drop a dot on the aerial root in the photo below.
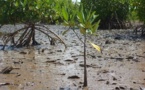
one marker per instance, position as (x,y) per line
(27,37)
(140,30)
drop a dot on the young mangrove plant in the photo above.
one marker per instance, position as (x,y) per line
(85,21)
(87,26)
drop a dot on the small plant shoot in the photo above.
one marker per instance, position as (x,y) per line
(85,20)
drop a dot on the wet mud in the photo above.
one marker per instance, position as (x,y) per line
(120,66)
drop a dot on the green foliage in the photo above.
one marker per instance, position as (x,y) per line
(69,16)
(50,11)
(140,8)
(68,12)
(86,21)
(24,11)
(109,11)
(132,16)
(18,11)
(80,17)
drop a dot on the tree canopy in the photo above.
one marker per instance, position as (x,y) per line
(18,11)
(112,13)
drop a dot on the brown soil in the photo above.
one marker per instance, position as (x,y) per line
(121,66)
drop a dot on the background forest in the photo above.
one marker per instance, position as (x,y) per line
(112,13)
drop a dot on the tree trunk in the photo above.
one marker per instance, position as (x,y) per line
(34,42)
(85,67)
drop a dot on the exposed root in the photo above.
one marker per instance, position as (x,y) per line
(140,30)
(27,36)
(55,36)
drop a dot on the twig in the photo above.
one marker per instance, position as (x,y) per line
(24,34)
(77,35)
(53,34)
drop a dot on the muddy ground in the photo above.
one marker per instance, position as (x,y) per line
(121,66)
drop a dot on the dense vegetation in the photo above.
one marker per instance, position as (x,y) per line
(23,11)
(140,7)
(112,13)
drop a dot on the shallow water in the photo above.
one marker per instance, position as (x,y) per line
(45,67)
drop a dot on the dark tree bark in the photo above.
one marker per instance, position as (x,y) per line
(85,66)
(27,37)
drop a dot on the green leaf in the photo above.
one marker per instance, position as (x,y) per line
(88,25)
(95,27)
(65,13)
(81,16)
(89,15)
(94,18)
(16,4)
(24,4)
(81,25)
(65,23)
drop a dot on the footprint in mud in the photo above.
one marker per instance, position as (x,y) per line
(67,88)
(70,61)
(73,77)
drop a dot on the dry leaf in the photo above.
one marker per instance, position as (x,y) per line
(95,46)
